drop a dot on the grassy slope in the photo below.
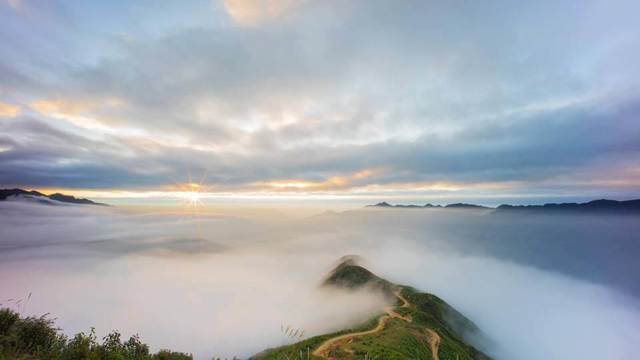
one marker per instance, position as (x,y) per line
(399,339)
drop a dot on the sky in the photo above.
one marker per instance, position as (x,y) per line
(304,99)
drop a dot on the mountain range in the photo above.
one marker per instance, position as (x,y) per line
(594,206)
(6,194)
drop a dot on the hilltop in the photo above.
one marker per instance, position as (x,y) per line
(417,326)
(53,199)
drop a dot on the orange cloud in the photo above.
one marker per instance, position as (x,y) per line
(61,107)
(332,183)
(72,107)
(437,186)
(350,184)
(78,112)
(8,110)
(252,12)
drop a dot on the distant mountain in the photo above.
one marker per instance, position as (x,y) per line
(599,206)
(466,206)
(45,199)
(411,206)
(385,204)
(595,206)
(417,326)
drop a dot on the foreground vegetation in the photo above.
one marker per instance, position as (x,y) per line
(37,338)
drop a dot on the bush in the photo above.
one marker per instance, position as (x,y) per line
(81,347)
(36,338)
(28,338)
(8,317)
(171,355)
(35,335)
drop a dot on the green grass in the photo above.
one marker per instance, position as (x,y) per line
(303,349)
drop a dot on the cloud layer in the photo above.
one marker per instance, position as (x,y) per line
(222,285)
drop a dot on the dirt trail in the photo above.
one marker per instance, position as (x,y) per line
(324,348)
(390,309)
(434,343)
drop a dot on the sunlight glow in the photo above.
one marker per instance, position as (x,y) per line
(190,192)
(192,197)
(8,110)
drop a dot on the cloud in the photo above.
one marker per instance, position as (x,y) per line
(542,315)
(336,87)
(252,12)
(80,113)
(15,3)
(561,147)
(60,107)
(8,110)
(513,276)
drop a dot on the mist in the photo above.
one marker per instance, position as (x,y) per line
(225,283)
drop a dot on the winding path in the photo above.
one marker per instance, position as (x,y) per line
(324,348)
(434,343)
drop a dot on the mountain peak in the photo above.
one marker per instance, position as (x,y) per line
(349,274)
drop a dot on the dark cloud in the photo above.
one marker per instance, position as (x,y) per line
(529,149)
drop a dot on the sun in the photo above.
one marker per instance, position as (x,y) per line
(191,193)
(192,197)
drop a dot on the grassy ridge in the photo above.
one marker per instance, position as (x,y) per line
(399,340)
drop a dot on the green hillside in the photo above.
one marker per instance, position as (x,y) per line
(418,326)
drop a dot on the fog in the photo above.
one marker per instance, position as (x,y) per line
(225,283)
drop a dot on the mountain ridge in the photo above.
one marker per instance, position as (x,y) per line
(418,325)
(600,206)
(43,198)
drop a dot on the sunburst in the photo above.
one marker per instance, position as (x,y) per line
(191,192)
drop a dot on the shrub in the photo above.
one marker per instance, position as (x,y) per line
(36,338)
(171,355)
(8,317)
(81,347)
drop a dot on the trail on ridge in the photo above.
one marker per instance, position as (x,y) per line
(324,349)
(434,343)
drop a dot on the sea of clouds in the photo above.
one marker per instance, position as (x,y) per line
(552,287)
